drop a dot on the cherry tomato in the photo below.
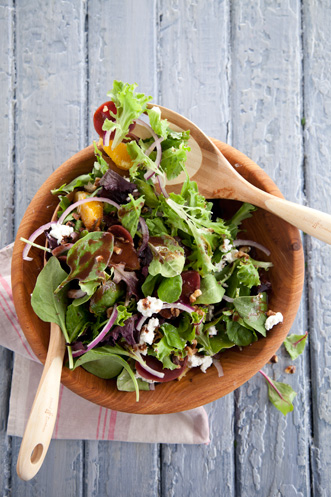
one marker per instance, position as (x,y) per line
(101,114)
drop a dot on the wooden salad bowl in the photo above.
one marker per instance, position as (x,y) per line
(195,388)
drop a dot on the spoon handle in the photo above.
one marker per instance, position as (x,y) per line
(310,221)
(41,422)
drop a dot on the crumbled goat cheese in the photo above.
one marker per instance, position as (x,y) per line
(149,306)
(230,256)
(273,320)
(60,230)
(212,331)
(203,361)
(147,333)
(227,244)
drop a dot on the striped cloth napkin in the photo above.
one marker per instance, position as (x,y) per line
(91,422)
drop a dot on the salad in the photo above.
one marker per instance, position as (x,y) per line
(146,285)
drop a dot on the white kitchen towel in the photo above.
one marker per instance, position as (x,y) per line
(78,418)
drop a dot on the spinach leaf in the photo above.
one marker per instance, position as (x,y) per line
(239,334)
(172,336)
(149,284)
(105,296)
(48,306)
(89,257)
(168,257)
(295,344)
(252,310)
(211,291)
(77,320)
(125,383)
(170,289)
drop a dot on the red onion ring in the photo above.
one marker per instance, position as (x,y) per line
(251,243)
(218,366)
(107,137)
(150,370)
(101,335)
(33,237)
(84,201)
(228,299)
(141,322)
(157,144)
(178,305)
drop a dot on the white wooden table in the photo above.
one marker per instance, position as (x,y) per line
(253,74)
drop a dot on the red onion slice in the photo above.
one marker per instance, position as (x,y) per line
(157,144)
(33,237)
(101,335)
(178,305)
(141,322)
(107,137)
(145,234)
(251,243)
(152,386)
(218,366)
(84,201)
(150,370)
(228,299)
(162,186)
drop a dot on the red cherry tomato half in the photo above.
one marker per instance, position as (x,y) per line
(101,114)
(169,374)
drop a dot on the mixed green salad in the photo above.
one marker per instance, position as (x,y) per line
(144,284)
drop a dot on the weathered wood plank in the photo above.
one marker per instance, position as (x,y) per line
(317,113)
(271,451)
(50,69)
(193,75)
(6,215)
(121,45)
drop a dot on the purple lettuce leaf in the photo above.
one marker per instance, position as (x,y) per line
(115,187)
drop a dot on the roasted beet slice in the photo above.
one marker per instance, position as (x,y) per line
(126,254)
(101,114)
(120,232)
(169,374)
(191,282)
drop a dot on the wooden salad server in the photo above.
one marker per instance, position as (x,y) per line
(41,422)
(216,178)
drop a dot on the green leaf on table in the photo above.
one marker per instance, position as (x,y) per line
(252,310)
(48,306)
(89,257)
(168,256)
(280,394)
(295,344)
(170,289)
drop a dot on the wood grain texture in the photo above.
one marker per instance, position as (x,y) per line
(317,111)
(266,111)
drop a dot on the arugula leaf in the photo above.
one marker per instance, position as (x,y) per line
(129,105)
(129,214)
(170,289)
(168,257)
(89,257)
(280,394)
(252,310)
(295,344)
(212,291)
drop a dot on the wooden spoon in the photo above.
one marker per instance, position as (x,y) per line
(41,422)
(216,178)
